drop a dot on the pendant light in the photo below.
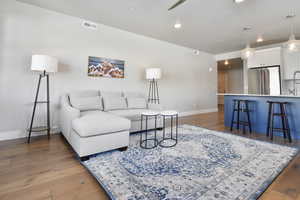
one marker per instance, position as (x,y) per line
(248,51)
(293,45)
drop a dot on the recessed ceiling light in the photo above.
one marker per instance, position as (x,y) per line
(196,52)
(177,25)
(260,39)
(226,62)
(238,1)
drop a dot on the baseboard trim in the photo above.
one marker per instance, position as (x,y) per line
(17,134)
(197,112)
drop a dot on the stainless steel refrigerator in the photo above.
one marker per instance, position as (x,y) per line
(264,80)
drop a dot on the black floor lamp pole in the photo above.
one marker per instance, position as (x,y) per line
(46,128)
(153,96)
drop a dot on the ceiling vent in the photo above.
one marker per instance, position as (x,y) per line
(90,25)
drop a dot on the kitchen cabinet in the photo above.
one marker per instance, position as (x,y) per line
(265,58)
(291,63)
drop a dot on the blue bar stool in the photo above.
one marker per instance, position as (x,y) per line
(284,120)
(240,107)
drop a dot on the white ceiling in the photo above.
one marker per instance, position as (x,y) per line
(213,26)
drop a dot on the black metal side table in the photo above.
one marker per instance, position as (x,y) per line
(144,141)
(169,137)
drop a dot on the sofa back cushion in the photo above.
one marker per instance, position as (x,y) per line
(133,95)
(111,94)
(114,103)
(86,100)
(136,103)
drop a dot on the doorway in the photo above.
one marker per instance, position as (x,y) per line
(230,78)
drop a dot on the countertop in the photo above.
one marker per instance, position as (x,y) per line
(257,95)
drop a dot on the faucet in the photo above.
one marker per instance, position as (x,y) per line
(294,91)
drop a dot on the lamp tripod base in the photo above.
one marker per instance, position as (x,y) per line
(153,96)
(47,102)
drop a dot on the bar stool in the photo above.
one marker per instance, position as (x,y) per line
(284,120)
(241,106)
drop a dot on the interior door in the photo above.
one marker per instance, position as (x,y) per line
(222,85)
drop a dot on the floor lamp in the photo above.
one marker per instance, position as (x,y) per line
(153,74)
(45,65)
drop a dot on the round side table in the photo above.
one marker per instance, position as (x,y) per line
(144,141)
(172,138)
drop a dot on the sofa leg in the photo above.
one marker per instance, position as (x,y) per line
(123,149)
(84,158)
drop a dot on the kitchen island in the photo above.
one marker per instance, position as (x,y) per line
(259,111)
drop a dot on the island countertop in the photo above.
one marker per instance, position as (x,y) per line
(257,95)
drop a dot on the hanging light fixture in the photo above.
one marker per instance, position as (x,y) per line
(293,45)
(248,51)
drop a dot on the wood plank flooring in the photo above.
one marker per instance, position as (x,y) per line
(48,170)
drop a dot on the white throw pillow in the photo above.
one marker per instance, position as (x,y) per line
(137,103)
(86,103)
(114,103)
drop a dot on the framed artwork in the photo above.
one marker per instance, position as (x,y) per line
(106,67)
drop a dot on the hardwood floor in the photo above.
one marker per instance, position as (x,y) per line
(48,170)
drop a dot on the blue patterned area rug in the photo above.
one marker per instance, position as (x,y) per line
(205,164)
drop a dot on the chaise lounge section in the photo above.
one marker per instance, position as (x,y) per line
(93,121)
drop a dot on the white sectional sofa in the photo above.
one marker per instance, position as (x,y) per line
(95,121)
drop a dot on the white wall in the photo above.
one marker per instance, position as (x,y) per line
(235,80)
(187,84)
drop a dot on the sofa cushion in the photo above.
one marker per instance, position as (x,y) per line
(87,103)
(90,112)
(133,95)
(86,100)
(114,103)
(136,103)
(99,124)
(111,94)
(131,114)
(85,93)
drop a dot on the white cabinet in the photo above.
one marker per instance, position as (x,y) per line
(265,58)
(291,63)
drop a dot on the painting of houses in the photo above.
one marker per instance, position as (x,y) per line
(105,67)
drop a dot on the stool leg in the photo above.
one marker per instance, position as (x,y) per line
(232,117)
(272,121)
(248,117)
(238,116)
(287,125)
(283,121)
(269,119)
(242,110)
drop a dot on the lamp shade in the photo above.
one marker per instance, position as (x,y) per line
(153,73)
(44,63)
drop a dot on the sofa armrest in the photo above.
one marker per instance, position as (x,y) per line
(156,107)
(67,115)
